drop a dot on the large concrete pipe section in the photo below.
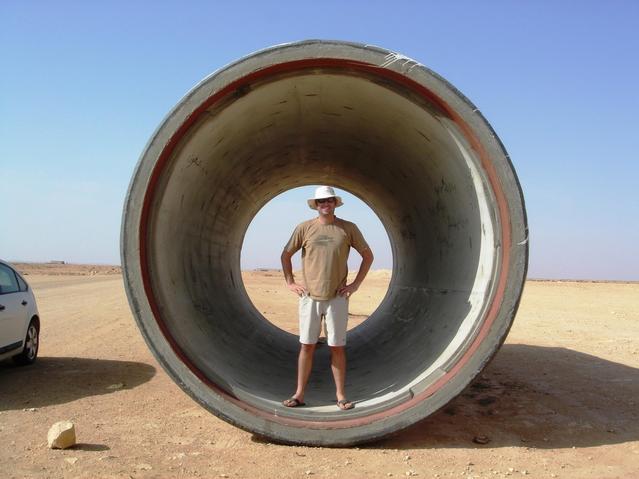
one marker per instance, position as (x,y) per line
(371,122)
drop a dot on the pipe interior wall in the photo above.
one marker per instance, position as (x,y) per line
(408,159)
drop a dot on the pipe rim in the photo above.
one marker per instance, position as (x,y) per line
(310,54)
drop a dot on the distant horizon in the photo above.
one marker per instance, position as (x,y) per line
(528,278)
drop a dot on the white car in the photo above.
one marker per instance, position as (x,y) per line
(19,318)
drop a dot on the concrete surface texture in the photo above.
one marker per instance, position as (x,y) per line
(380,126)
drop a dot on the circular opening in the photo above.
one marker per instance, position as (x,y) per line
(373,139)
(264,241)
(370,122)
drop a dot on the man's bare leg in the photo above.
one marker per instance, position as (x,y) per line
(338,366)
(304,366)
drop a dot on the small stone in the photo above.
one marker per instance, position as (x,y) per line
(71,460)
(510,469)
(61,435)
(524,472)
(389,474)
(115,386)
(347,462)
(309,473)
(406,458)
(30,409)
(224,475)
(144,467)
(481,439)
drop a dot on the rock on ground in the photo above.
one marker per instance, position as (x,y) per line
(61,435)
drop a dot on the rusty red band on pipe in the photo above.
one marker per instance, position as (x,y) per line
(301,66)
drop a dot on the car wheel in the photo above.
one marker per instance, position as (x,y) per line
(31,343)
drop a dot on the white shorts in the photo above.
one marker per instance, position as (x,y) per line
(335,312)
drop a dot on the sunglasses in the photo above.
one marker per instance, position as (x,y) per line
(325,200)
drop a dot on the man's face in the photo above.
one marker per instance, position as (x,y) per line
(325,206)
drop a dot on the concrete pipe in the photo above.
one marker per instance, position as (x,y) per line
(371,122)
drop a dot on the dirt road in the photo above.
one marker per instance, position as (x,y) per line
(561,399)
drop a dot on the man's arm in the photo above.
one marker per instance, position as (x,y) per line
(287,267)
(367,260)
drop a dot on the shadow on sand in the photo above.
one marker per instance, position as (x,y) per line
(538,397)
(53,381)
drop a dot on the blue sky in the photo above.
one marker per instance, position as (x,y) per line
(84,85)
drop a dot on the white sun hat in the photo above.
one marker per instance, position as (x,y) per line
(322,192)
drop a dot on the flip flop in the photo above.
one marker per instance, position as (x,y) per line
(345,404)
(293,402)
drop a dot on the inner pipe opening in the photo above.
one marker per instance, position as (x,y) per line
(360,133)
(271,229)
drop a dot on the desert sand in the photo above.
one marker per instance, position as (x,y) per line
(560,399)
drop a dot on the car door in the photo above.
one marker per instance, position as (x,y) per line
(13,314)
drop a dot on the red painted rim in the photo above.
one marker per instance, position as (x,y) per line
(301,66)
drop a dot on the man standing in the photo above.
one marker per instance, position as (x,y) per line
(325,242)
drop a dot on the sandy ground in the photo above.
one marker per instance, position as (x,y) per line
(560,399)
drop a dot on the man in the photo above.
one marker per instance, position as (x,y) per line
(325,242)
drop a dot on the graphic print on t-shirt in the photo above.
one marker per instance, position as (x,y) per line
(323,240)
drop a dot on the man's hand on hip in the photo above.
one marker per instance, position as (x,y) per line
(347,290)
(297,289)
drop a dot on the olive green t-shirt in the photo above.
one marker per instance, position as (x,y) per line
(325,251)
